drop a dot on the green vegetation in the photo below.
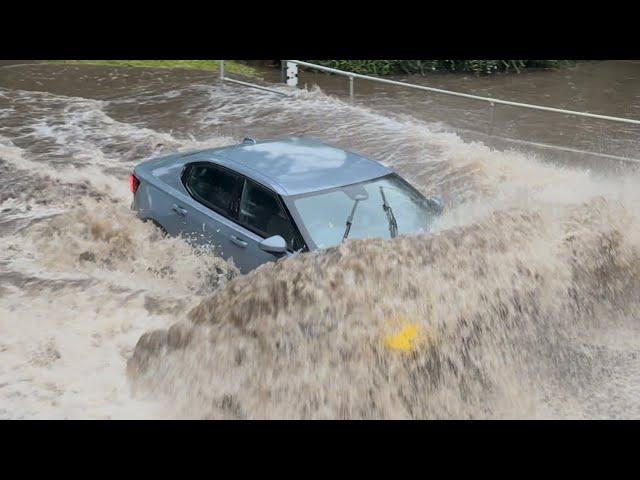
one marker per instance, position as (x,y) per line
(230,66)
(390,67)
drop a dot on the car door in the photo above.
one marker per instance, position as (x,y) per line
(209,216)
(261,214)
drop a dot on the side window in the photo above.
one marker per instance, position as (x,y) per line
(214,187)
(262,213)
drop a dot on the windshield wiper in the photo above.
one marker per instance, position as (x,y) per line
(350,217)
(393,226)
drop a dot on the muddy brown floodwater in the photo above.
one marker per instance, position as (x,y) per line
(526,297)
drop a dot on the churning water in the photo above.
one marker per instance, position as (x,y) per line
(526,298)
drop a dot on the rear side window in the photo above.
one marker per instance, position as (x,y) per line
(215,187)
(262,212)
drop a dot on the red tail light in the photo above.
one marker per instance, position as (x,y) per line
(133,183)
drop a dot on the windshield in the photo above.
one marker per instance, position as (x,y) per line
(325,214)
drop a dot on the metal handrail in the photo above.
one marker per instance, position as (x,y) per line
(253,85)
(492,101)
(224,78)
(567,149)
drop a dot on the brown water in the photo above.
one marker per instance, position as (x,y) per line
(526,297)
(607,88)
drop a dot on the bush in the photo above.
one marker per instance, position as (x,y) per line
(389,67)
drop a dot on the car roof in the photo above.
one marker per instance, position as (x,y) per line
(295,165)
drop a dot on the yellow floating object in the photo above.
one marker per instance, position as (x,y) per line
(406,340)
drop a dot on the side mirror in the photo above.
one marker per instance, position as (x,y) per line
(435,204)
(275,245)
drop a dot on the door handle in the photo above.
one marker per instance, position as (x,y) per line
(238,241)
(179,210)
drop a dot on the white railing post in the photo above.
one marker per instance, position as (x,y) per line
(292,74)
(221,70)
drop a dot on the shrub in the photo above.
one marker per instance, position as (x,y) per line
(389,67)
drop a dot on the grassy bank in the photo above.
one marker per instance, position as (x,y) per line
(390,67)
(230,66)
